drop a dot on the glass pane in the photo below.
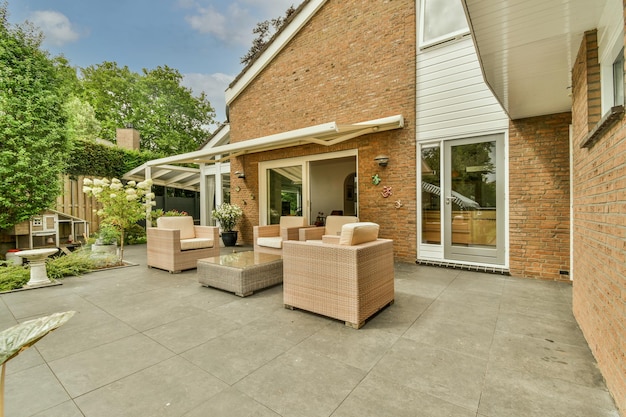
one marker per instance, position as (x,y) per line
(473,194)
(225,188)
(284,193)
(431,196)
(442,18)
(618,80)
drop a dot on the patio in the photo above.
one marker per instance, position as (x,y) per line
(455,343)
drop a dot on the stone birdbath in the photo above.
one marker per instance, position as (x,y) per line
(37,260)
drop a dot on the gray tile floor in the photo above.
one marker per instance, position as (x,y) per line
(455,343)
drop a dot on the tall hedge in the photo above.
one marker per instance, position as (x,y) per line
(93,159)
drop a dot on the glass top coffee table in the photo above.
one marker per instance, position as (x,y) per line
(242,272)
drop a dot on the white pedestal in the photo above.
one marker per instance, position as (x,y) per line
(37,260)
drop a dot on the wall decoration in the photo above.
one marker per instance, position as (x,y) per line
(398,204)
(376,179)
(386,192)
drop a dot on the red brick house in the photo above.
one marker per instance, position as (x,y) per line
(505,145)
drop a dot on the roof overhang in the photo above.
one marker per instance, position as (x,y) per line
(173,176)
(527,49)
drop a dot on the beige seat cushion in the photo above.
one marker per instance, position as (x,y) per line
(356,233)
(183,223)
(196,243)
(334,224)
(270,242)
(292,221)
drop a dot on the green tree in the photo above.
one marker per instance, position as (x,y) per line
(122,205)
(264,32)
(82,122)
(32,124)
(171,120)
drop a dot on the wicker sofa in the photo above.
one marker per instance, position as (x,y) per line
(332,227)
(176,243)
(348,277)
(270,238)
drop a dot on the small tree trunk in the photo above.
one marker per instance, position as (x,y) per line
(121,248)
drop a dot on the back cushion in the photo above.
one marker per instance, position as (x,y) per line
(184,224)
(292,221)
(334,224)
(355,233)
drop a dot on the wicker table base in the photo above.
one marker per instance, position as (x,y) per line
(242,272)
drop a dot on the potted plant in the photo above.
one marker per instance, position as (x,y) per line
(228,215)
(106,240)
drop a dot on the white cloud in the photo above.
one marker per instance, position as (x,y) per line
(57,28)
(235,24)
(214,86)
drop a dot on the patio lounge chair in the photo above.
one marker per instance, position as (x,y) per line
(176,243)
(332,227)
(270,238)
(348,277)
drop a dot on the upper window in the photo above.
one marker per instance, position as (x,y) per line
(441,20)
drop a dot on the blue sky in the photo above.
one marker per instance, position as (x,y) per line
(203,39)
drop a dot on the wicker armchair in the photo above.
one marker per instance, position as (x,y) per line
(270,238)
(176,244)
(349,280)
(333,227)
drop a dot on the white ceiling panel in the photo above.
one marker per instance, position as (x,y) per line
(527,49)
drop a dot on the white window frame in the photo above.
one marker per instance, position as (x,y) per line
(306,191)
(610,45)
(441,39)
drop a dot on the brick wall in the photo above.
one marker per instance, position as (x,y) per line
(539,187)
(354,61)
(599,293)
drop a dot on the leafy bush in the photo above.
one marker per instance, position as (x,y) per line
(13,276)
(135,235)
(75,264)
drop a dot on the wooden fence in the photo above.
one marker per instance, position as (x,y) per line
(74,202)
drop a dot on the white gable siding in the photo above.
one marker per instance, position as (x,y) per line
(452,97)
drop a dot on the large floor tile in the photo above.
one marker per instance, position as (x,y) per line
(375,397)
(235,355)
(32,391)
(301,383)
(399,316)
(169,388)
(361,348)
(546,358)
(84,331)
(66,409)
(521,394)
(453,334)
(91,369)
(190,332)
(485,315)
(451,376)
(563,331)
(232,403)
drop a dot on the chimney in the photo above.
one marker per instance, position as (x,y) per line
(127,138)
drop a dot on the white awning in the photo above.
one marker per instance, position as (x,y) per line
(326,134)
(164,173)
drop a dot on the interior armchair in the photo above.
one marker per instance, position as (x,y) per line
(348,277)
(176,243)
(270,238)
(333,227)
